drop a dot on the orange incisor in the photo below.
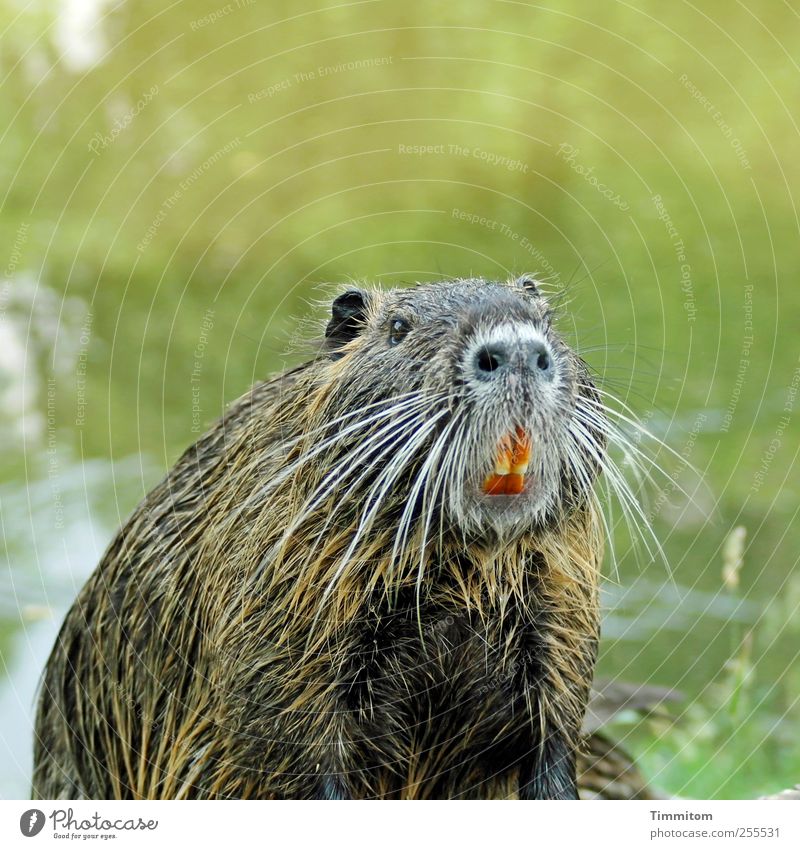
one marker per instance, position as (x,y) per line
(510,465)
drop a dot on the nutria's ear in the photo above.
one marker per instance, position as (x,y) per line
(348,316)
(528,284)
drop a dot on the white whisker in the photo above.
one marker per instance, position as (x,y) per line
(375,499)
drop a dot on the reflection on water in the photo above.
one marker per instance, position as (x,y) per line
(78,32)
(40,340)
(648,607)
(46,563)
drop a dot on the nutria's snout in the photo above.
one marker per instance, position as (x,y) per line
(509,368)
(509,349)
(520,390)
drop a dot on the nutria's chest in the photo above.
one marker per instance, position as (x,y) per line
(441,700)
(437,661)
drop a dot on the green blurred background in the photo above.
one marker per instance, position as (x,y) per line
(179,182)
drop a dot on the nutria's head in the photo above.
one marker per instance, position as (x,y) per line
(463,406)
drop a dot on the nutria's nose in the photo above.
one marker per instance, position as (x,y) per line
(493,358)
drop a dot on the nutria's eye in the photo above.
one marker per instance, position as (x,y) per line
(398,330)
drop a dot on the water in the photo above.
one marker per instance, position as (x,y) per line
(48,552)
(175,193)
(59,507)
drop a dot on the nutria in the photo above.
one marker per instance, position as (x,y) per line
(375,576)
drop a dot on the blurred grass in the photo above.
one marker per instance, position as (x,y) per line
(738,739)
(309,184)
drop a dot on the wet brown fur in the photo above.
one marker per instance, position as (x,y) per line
(210,655)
